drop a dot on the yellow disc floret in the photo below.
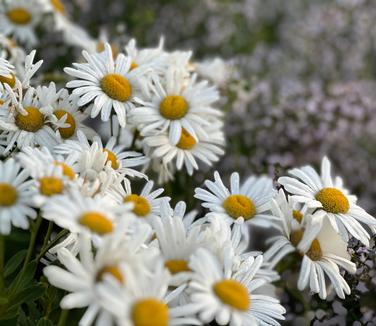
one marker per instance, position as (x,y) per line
(239,205)
(173,107)
(19,16)
(58,6)
(96,222)
(314,252)
(50,186)
(66,132)
(111,157)
(116,87)
(67,170)
(233,293)
(134,65)
(11,81)
(8,195)
(32,121)
(141,204)
(114,270)
(177,265)
(297,215)
(186,140)
(333,200)
(150,312)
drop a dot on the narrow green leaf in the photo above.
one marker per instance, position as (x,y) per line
(45,322)
(30,293)
(14,262)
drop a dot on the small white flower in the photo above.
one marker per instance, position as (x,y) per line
(229,297)
(249,201)
(330,200)
(16,194)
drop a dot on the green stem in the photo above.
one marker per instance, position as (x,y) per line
(49,231)
(47,247)
(2,254)
(63,317)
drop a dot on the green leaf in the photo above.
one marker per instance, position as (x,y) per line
(30,293)
(27,276)
(14,262)
(9,314)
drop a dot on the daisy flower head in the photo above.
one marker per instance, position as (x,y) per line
(7,73)
(94,158)
(175,104)
(16,193)
(109,84)
(97,216)
(146,205)
(18,18)
(27,122)
(144,299)
(321,249)
(82,276)
(188,150)
(52,177)
(249,201)
(229,297)
(329,199)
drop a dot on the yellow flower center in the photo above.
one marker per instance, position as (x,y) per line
(233,293)
(8,195)
(177,265)
(116,87)
(141,204)
(67,170)
(19,16)
(186,141)
(314,252)
(111,157)
(96,222)
(32,122)
(113,270)
(297,216)
(11,81)
(239,205)
(333,200)
(66,132)
(59,7)
(50,186)
(173,107)
(134,65)
(150,312)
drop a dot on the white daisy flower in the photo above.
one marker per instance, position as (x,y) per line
(144,299)
(6,72)
(18,18)
(216,70)
(175,105)
(249,201)
(177,242)
(229,298)
(207,148)
(146,205)
(26,71)
(16,194)
(110,85)
(98,215)
(322,251)
(27,122)
(94,158)
(330,199)
(81,277)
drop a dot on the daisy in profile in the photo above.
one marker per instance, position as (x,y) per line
(330,200)
(249,201)
(94,158)
(227,297)
(82,276)
(188,150)
(146,205)
(110,85)
(27,122)
(16,193)
(144,299)
(321,249)
(98,215)
(177,103)
(18,18)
